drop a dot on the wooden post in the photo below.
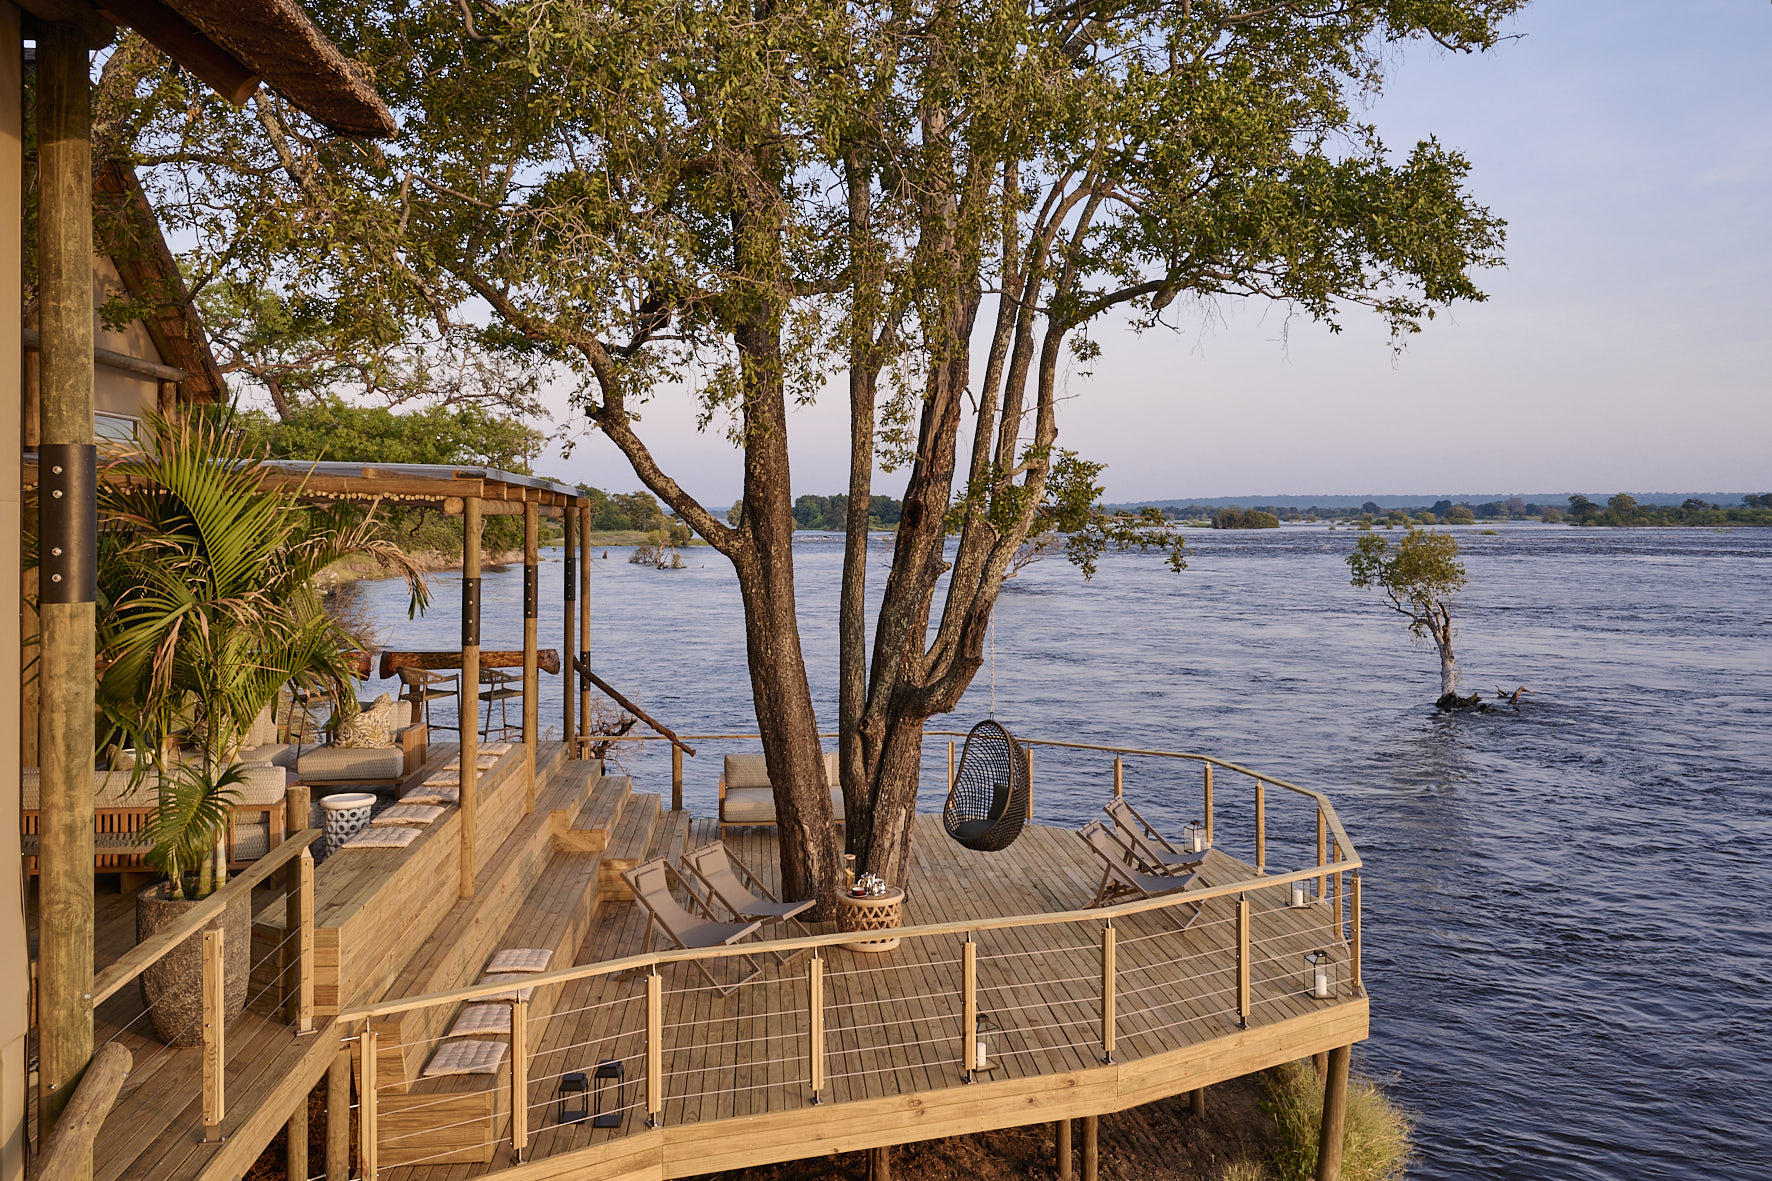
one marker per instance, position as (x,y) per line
(1030,758)
(67,523)
(215,1050)
(950,764)
(815,1009)
(969,1005)
(295,819)
(1207,806)
(1243,961)
(64,1151)
(531,671)
(338,1117)
(676,778)
(470,687)
(1339,930)
(584,626)
(366,1113)
(1119,778)
(1322,851)
(880,1164)
(1260,826)
(1108,998)
(1063,1135)
(1197,1102)
(301,1013)
(296,1136)
(1091,1166)
(654,1049)
(1329,1135)
(569,642)
(1354,944)
(519,1077)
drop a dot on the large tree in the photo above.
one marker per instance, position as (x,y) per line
(942,207)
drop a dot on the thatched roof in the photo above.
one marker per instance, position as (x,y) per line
(129,234)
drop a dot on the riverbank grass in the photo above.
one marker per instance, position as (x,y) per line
(1377,1144)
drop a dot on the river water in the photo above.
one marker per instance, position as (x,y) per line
(1567,939)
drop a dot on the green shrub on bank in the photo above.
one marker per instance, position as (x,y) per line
(1376,1143)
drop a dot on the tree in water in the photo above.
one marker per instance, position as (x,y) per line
(1418,576)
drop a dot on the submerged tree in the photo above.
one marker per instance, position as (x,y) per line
(1418,576)
(938,205)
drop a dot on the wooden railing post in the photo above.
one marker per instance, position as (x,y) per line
(366,1108)
(1119,778)
(950,764)
(1243,961)
(1354,946)
(1260,826)
(293,954)
(676,778)
(1340,929)
(815,1042)
(1030,758)
(569,639)
(1322,851)
(519,1077)
(215,1104)
(969,1005)
(654,1049)
(1207,804)
(301,1000)
(1108,997)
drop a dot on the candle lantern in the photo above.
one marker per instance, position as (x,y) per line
(609,1106)
(1320,975)
(574,1098)
(1301,893)
(1193,838)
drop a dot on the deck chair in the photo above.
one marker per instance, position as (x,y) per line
(748,899)
(1151,848)
(1119,879)
(651,883)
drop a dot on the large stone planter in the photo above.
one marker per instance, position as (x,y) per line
(173,987)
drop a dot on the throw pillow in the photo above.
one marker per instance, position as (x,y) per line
(371,729)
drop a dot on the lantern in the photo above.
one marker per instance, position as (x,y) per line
(1193,838)
(1320,973)
(1301,894)
(609,1090)
(574,1097)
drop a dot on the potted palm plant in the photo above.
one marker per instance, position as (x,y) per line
(207,609)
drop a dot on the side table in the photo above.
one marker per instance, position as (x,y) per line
(883,912)
(347,814)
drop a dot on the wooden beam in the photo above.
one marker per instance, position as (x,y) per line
(122,362)
(620,699)
(396,660)
(70,1146)
(469,710)
(1330,1132)
(66,612)
(338,1117)
(531,675)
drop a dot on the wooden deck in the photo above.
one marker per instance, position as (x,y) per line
(735,1069)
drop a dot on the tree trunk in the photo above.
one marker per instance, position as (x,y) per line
(1448,665)
(881,835)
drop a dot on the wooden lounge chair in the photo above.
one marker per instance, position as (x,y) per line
(1151,848)
(1118,878)
(651,883)
(749,899)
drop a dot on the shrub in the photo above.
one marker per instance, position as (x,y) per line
(1375,1141)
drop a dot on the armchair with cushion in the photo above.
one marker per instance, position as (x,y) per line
(748,798)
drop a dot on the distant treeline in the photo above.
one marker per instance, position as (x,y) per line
(624,512)
(1244,518)
(831,513)
(1621,509)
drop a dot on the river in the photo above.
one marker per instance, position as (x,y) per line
(1567,939)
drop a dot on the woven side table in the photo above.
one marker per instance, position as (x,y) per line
(882,913)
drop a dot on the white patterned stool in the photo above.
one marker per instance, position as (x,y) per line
(347,814)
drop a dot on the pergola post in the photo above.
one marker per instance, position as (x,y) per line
(584,625)
(68,567)
(569,644)
(531,675)
(469,718)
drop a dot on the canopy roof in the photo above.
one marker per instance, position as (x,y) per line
(419,483)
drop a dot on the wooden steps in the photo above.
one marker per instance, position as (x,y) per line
(600,811)
(628,844)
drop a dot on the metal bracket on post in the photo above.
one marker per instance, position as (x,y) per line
(531,592)
(68,508)
(470,612)
(571,570)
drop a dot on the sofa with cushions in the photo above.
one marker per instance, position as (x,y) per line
(747,798)
(369,749)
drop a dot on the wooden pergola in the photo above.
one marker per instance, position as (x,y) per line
(474,493)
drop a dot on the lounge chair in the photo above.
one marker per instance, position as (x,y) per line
(1149,845)
(749,899)
(651,883)
(1118,878)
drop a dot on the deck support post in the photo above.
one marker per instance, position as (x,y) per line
(815,1010)
(338,1117)
(366,1114)
(1243,961)
(969,1005)
(880,1163)
(1260,826)
(1206,803)
(295,1134)
(215,1050)
(469,779)
(569,641)
(1108,938)
(67,517)
(584,629)
(1197,1102)
(1063,1149)
(1091,1165)
(1334,1115)
(519,1078)
(531,671)
(676,778)
(654,1049)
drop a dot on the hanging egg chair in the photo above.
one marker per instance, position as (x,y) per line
(988,802)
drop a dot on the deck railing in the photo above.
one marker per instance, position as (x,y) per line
(1058,990)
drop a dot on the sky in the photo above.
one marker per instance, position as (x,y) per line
(1627,344)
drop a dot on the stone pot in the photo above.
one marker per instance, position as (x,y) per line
(172,988)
